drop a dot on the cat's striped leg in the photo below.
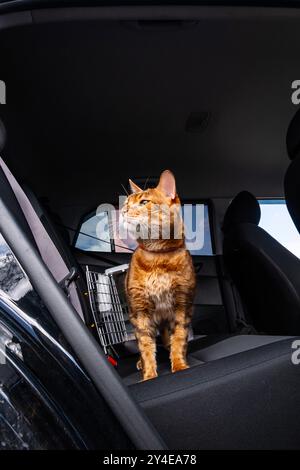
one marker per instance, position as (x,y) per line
(146,338)
(178,343)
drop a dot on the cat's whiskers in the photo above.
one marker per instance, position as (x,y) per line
(127,194)
(146,183)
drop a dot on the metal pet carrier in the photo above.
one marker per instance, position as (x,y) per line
(109,307)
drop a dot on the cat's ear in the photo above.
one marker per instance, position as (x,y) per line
(167,184)
(134,187)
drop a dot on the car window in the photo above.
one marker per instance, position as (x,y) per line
(89,238)
(98,232)
(276,220)
(13,280)
(16,288)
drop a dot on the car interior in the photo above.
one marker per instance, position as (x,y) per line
(96,96)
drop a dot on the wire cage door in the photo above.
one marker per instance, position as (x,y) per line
(109,307)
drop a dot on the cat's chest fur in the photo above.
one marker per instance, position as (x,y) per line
(153,282)
(159,290)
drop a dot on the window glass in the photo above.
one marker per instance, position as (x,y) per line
(200,226)
(276,220)
(15,287)
(13,280)
(89,238)
(98,232)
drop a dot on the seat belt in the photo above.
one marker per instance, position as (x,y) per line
(48,251)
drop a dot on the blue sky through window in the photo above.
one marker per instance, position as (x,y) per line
(276,220)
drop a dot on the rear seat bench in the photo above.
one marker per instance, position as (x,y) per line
(245,395)
(200,350)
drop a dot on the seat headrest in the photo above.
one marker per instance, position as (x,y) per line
(2,136)
(244,208)
(293,137)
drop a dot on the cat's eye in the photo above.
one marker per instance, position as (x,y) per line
(143,202)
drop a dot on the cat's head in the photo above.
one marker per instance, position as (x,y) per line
(153,215)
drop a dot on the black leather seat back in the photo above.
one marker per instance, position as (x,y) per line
(266,274)
(292,177)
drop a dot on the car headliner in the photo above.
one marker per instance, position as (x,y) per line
(93,102)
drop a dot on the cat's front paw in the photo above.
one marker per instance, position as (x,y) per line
(177,366)
(149,376)
(139,364)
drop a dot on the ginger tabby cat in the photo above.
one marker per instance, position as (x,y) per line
(160,282)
